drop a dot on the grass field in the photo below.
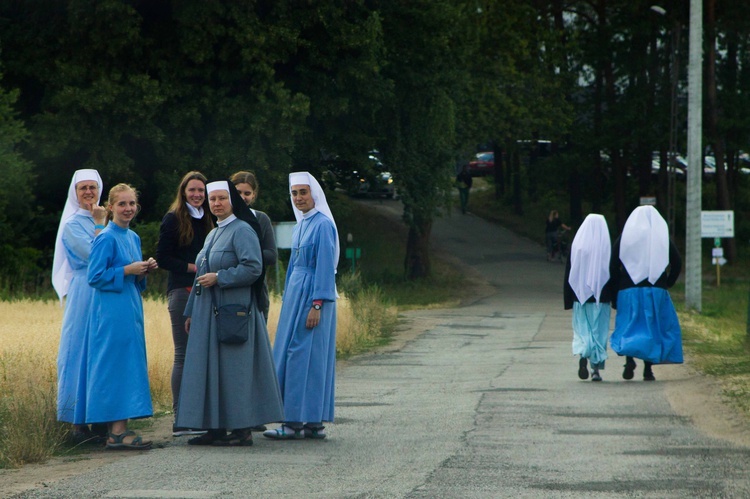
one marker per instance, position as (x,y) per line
(30,332)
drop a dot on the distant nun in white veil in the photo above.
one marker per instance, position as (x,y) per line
(588,292)
(645,263)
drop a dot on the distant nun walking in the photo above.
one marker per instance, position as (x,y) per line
(588,291)
(645,263)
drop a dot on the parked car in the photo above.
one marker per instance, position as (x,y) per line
(369,177)
(483,164)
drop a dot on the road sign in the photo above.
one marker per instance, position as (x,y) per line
(283,233)
(717,223)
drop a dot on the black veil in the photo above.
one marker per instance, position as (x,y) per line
(244,213)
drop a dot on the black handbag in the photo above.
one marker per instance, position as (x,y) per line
(232,321)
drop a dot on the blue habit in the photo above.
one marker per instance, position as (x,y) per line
(646,326)
(306,358)
(78,235)
(117,373)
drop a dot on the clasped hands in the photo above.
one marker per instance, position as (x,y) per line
(141,268)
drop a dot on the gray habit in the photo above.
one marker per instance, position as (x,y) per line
(228,386)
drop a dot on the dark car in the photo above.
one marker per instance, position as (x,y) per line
(484,164)
(367,177)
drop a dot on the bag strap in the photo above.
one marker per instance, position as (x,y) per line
(208,269)
(214,301)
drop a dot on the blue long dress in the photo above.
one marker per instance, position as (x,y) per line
(117,373)
(78,235)
(306,358)
(228,386)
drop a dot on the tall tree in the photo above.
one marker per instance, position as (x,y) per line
(426,47)
(16,199)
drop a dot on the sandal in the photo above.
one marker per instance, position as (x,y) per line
(284,433)
(316,432)
(238,438)
(119,442)
(207,438)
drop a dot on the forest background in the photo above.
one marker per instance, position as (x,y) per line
(146,90)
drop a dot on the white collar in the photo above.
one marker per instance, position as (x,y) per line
(195,212)
(309,214)
(231,218)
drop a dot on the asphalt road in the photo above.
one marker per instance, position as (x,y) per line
(477,401)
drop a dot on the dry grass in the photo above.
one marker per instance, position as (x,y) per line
(30,332)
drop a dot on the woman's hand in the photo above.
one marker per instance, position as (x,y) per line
(99,213)
(313,318)
(152,265)
(136,268)
(187,325)
(208,280)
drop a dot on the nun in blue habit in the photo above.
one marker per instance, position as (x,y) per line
(588,291)
(228,386)
(645,263)
(304,349)
(82,219)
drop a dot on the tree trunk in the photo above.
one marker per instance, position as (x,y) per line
(533,169)
(499,171)
(417,262)
(517,193)
(712,112)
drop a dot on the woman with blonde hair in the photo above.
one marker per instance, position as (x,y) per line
(117,387)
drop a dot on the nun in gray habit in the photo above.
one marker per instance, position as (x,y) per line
(227,386)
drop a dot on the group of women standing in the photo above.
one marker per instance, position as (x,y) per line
(631,275)
(221,391)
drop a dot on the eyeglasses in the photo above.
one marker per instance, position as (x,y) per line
(88,188)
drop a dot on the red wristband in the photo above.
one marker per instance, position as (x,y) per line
(318,302)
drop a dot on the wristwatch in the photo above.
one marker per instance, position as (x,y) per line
(316,306)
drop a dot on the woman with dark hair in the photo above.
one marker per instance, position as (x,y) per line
(181,235)
(247,186)
(228,386)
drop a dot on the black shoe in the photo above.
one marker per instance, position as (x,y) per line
(208,438)
(583,372)
(629,370)
(595,376)
(260,427)
(85,437)
(100,429)
(238,438)
(648,375)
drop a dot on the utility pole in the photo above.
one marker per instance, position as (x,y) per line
(695,159)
